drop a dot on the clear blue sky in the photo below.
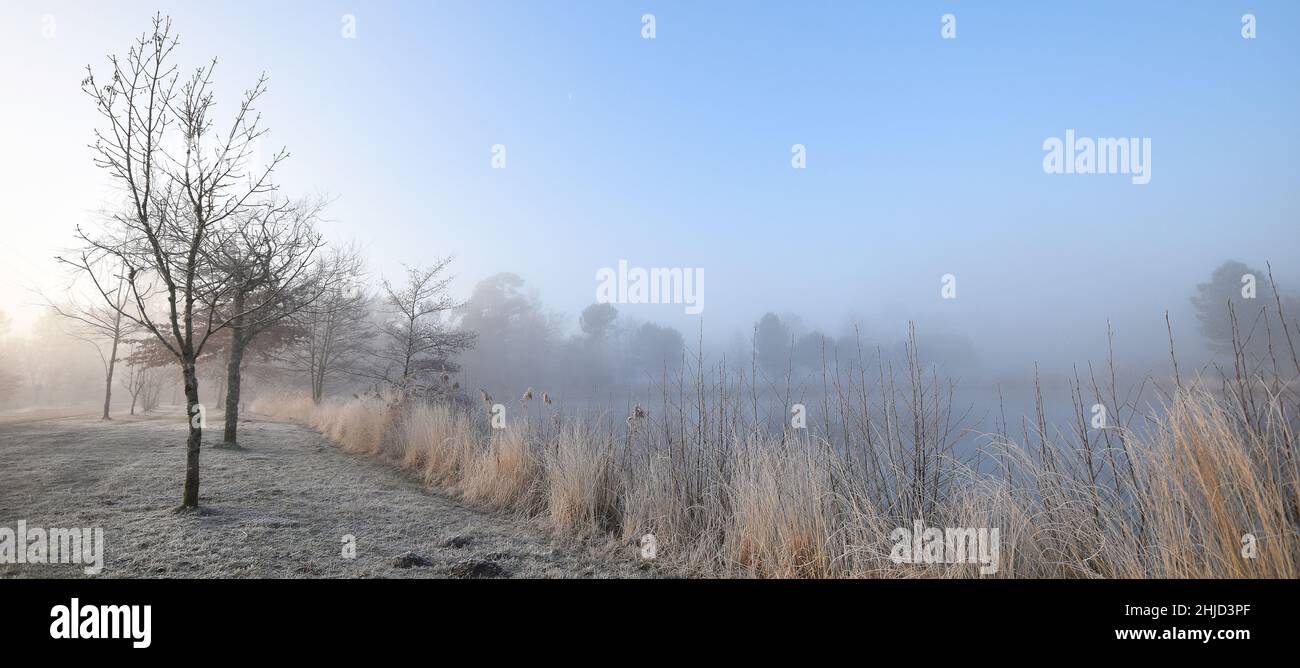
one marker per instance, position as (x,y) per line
(924,154)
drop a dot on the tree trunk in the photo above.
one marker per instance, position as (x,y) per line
(112,362)
(108,391)
(237,344)
(317,384)
(194,410)
(236,358)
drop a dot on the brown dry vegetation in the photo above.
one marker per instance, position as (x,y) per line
(724,497)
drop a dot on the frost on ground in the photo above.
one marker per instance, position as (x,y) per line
(279,508)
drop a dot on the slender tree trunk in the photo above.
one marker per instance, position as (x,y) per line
(112,362)
(108,391)
(194,410)
(232,386)
(238,340)
(317,382)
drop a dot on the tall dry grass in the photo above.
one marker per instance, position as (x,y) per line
(725,496)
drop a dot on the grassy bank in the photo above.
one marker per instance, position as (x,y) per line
(723,498)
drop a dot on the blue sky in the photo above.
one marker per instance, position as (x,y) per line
(924,154)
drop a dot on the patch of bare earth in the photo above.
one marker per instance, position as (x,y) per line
(278,508)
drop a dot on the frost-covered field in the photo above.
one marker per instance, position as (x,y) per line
(279,508)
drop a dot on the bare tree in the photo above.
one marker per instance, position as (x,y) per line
(335,330)
(136,382)
(179,201)
(145,367)
(268,265)
(102,326)
(413,342)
